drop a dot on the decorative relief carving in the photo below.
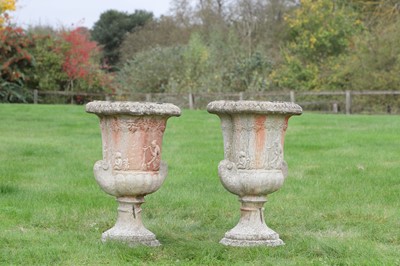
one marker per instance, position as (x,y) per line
(275,125)
(145,125)
(227,150)
(239,127)
(104,165)
(105,149)
(119,163)
(243,161)
(259,126)
(132,126)
(155,157)
(115,125)
(274,156)
(161,127)
(269,124)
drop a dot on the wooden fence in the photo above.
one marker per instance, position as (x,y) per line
(327,101)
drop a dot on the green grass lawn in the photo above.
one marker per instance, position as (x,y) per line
(339,205)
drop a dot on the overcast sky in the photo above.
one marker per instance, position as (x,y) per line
(70,13)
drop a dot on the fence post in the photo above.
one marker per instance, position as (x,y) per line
(35,96)
(348,102)
(148,97)
(335,108)
(191,101)
(108,98)
(292,97)
(241,96)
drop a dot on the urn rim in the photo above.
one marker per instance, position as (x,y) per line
(254,107)
(132,108)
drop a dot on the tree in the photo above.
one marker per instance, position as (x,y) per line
(374,62)
(81,62)
(246,21)
(376,11)
(14,61)
(182,11)
(65,60)
(5,6)
(211,15)
(49,52)
(319,33)
(272,31)
(167,69)
(195,59)
(111,29)
(162,32)
(14,57)
(156,70)
(77,57)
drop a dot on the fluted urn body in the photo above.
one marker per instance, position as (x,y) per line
(253,164)
(131,168)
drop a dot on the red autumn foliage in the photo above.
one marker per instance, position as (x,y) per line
(78,57)
(65,60)
(14,57)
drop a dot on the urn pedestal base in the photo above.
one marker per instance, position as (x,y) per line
(251,229)
(129,227)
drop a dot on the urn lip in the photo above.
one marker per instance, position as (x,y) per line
(254,107)
(132,108)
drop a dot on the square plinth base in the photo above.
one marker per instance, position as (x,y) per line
(130,239)
(251,243)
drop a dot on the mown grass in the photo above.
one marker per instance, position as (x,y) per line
(340,204)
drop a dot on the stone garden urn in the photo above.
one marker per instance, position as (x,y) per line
(253,165)
(131,168)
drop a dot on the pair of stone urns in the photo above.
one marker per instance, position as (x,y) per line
(253,165)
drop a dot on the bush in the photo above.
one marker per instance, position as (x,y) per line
(156,70)
(14,92)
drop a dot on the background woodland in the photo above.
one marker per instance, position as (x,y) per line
(208,46)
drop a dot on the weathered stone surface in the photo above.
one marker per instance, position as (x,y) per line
(254,107)
(253,167)
(251,229)
(129,227)
(132,108)
(132,134)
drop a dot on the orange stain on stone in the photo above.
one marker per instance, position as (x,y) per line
(134,152)
(260,139)
(285,126)
(115,126)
